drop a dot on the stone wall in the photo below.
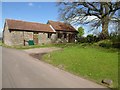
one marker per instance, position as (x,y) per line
(43,38)
(17,38)
(63,39)
(7,36)
(21,37)
(28,36)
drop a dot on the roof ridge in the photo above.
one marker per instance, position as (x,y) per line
(28,26)
(25,21)
(56,21)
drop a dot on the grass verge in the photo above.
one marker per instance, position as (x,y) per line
(0,43)
(90,62)
(38,46)
(28,47)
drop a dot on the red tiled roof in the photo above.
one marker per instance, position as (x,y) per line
(59,26)
(27,26)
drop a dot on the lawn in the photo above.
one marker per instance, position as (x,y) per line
(28,47)
(0,43)
(36,46)
(93,63)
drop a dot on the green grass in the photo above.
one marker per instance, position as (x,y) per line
(28,47)
(93,63)
(37,46)
(0,43)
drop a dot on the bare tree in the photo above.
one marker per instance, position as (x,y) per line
(80,13)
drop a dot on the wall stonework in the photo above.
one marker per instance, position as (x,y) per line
(7,36)
(17,38)
(43,38)
(28,36)
(21,37)
(53,38)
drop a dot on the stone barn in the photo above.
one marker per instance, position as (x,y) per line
(18,32)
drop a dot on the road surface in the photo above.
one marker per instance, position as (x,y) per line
(0,67)
(23,71)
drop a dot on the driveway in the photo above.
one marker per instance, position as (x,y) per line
(20,70)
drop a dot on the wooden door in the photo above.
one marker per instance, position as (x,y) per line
(35,38)
(71,38)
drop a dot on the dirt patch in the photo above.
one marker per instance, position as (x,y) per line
(37,55)
(39,52)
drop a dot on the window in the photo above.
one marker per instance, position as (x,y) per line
(49,35)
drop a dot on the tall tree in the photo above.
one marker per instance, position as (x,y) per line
(83,13)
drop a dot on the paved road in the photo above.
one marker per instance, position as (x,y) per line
(23,71)
(0,67)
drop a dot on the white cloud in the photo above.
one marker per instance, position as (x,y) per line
(85,19)
(90,18)
(30,4)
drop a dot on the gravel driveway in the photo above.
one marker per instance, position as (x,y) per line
(41,50)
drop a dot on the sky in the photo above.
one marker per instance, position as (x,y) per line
(37,11)
(31,11)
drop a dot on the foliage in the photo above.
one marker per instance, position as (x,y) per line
(87,61)
(80,12)
(81,39)
(105,43)
(81,31)
(115,38)
(0,43)
(89,39)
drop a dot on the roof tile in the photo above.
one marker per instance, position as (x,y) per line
(59,26)
(28,26)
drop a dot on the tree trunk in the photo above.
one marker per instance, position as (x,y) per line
(105,22)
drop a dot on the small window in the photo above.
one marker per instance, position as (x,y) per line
(49,35)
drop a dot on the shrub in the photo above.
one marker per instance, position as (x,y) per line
(91,38)
(105,43)
(115,38)
(81,39)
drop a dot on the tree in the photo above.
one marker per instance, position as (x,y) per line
(82,12)
(81,31)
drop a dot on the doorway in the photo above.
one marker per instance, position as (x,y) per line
(35,37)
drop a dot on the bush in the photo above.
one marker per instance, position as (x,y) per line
(81,39)
(115,38)
(89,39)
(92,39)
(105,43)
